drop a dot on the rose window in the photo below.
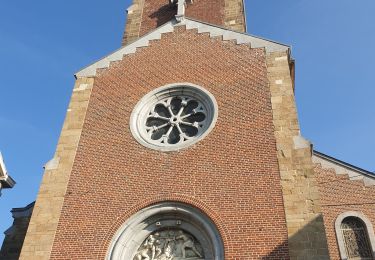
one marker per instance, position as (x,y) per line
(175,120)
(173,117)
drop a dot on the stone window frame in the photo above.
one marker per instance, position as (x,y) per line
(340,238)
(202,95)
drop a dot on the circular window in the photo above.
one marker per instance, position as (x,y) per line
(173,117)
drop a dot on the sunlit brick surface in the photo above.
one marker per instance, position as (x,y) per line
(339,194)
(232,175)
(147,15)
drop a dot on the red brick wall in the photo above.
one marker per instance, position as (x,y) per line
(339,195)
(158,12)
(232,175)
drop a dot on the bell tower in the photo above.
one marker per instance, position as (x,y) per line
(146,15)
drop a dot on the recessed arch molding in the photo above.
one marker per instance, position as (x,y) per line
(193,234)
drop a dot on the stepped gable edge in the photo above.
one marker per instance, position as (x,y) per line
(213,30)
(354,173)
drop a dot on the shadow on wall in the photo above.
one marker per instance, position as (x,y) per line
(306,244)
(164,14)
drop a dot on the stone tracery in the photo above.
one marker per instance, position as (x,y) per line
(175,120)
(173,117)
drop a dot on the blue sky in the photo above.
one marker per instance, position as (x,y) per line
(43,43)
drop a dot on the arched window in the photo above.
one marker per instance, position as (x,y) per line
(357,243)
(355,236)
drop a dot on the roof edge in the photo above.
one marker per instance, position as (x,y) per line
(234,31)
(344,164)
(202,27)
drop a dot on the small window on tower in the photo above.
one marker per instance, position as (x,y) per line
(173,117)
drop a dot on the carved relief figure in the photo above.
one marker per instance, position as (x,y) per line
(150,245)
(170,245)
(188,242)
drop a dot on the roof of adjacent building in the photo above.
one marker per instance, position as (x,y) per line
(5,180)
(23,212)
(341,167)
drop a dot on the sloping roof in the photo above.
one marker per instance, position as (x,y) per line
(340,167)
(213,30)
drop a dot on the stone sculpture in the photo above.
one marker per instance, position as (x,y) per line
(170,245)
(187,243)
(149,246)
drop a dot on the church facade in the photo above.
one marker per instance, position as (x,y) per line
(185,144)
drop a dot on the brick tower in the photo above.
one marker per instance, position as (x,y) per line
(183,144)
(146,15)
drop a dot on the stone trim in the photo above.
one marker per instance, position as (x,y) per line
(341,168)
(306,232)
(201,94)
(213,30)
(133,23)
(133,232)
(52,164)
(175,197)
(48,206)
(235,15)
(340,239)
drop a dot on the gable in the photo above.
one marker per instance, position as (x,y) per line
(343,168)
(169,27)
